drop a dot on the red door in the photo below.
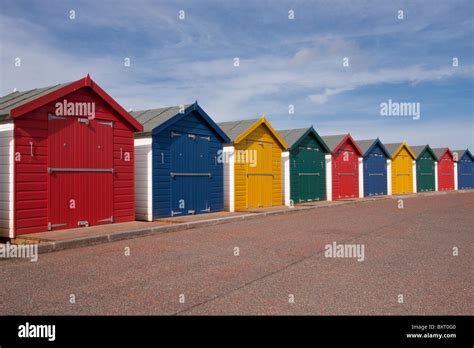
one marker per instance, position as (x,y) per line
(445,173)
(346,172)
(80,172)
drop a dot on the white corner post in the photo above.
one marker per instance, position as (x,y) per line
(456,175)
(229,178)
(389,177)
(436,176)
(285,167)
(6,180)
(143,179)
(361,177)
(414,177)
(328,177)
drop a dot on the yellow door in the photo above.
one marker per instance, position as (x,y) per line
(259,174)
(402,173)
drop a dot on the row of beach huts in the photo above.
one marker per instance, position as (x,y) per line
(71,156)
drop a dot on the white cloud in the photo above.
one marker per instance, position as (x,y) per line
(322,98)
(310,75)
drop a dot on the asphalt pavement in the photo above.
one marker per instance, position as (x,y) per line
(269,265)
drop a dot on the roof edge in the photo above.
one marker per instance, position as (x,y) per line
(260,121)
(72,87)
(466,151)
(430,150)
(382,146)
(404,145)
(349,137)
(311,130)
(193,107)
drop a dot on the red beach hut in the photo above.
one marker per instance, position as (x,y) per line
(67,159)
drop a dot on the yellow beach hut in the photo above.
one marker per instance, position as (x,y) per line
(403,178)
(252,165)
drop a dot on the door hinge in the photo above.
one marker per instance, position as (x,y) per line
(110,219)
(54,117)
(191,212)
(51,226)
(207,210)
(173,213)
(110,124)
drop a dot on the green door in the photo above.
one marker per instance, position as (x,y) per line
(308,172)
(425,172)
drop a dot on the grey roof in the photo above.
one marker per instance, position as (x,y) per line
(291,136)
(234,128)
(333,140)
(16,99)
(460,153)
(153,118)
(439,151)
(365,144)
(417,149)
(392,147)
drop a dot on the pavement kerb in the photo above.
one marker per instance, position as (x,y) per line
(51,246)
(76,243)
(113,237)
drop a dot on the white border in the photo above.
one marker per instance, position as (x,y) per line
(143,188)
(456,176)
(229,178)
(413,165)
(361,177)
(328,177)
(8,129)
(285,166)
(389,177)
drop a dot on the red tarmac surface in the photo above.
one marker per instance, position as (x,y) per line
(407,251)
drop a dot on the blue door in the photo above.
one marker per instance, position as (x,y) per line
(190,173)
(465,173)
(375,174)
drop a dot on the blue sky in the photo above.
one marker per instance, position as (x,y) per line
(282,61)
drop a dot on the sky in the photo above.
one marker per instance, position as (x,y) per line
(282,61)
